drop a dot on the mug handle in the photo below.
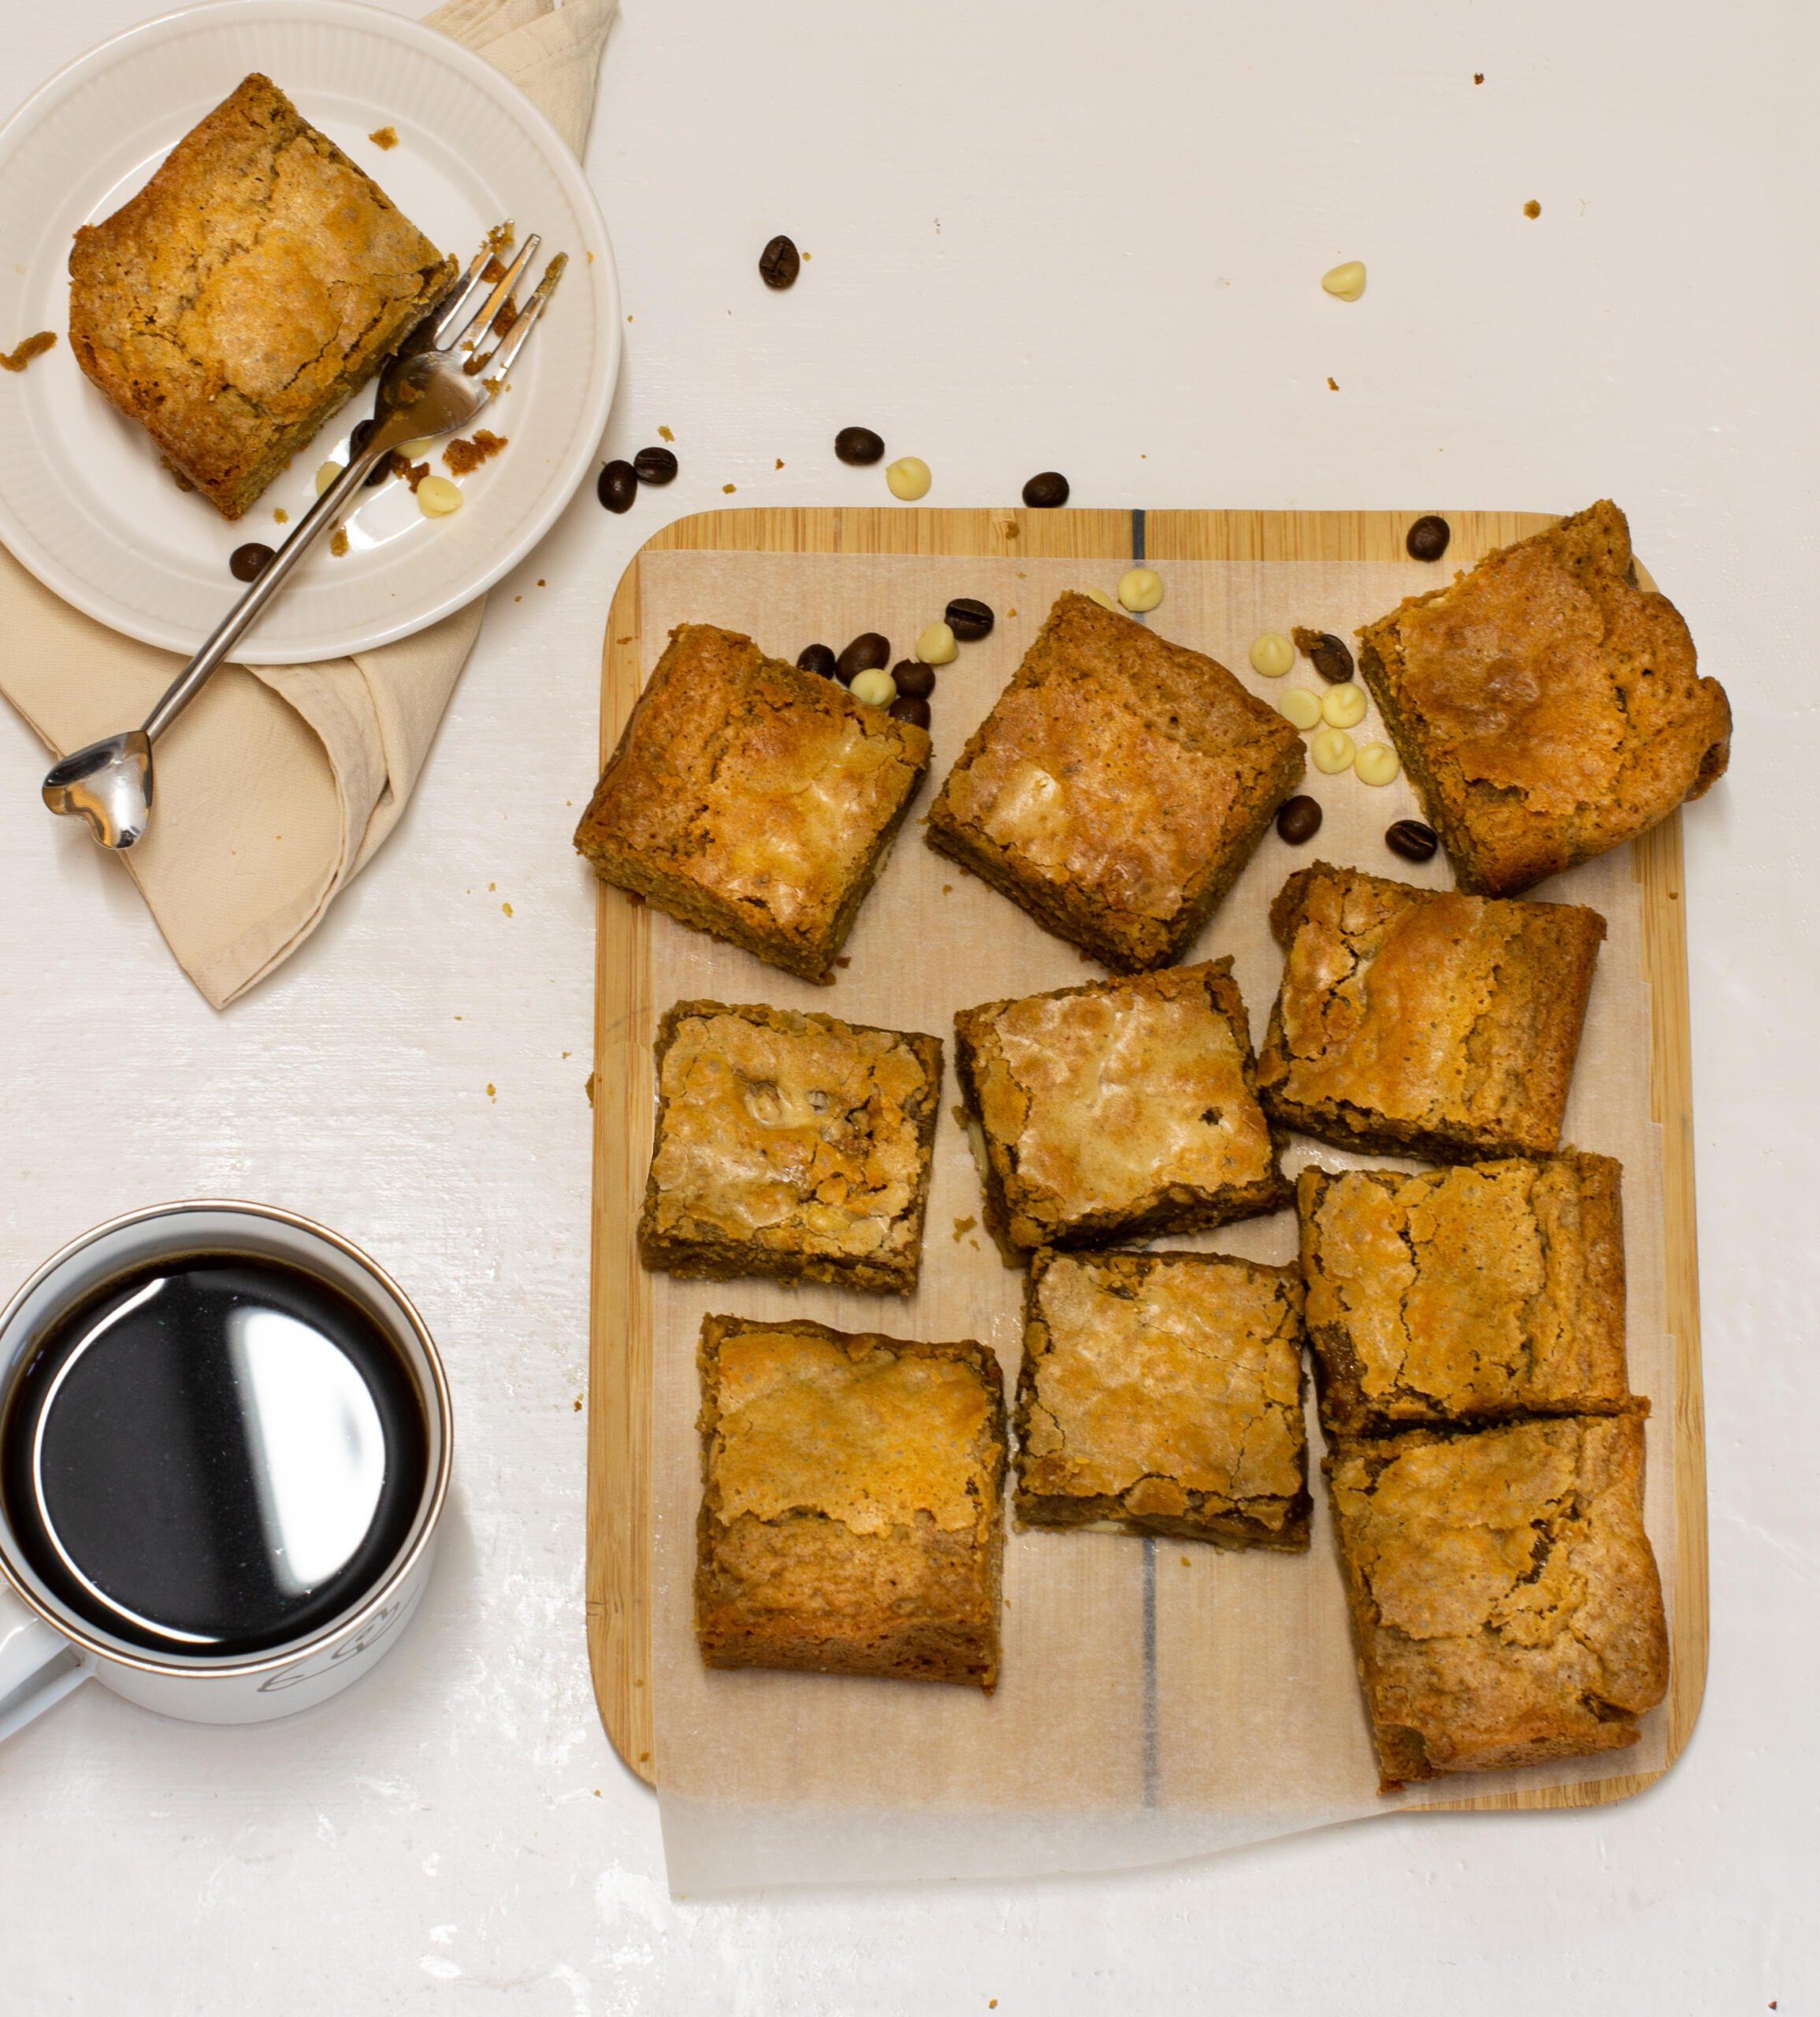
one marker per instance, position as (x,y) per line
(38,1667)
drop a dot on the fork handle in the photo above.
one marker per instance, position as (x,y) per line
(228,632)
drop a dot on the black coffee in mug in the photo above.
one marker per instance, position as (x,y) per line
(212,1456)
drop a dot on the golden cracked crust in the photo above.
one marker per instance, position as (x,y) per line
(1161,1394)
(1425,1020)
(1467,1294)
(256,282)
(752,800)
(851,1521)
(1545,707)
(1117,787)
(1117,1110)
(790,1145)
(1505,1601)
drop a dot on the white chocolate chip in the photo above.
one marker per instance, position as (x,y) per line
(1104,600)
(1376,764)
(436,497)
(1332,750)
(1343,706)
(1273,655)
(327,474)
(1348,281)
(908,477)
(1302,706)
(936,646)
(1140,589)
(414,452)
(875,686)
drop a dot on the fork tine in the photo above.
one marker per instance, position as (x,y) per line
(477,325)
(445,319)
(498,360)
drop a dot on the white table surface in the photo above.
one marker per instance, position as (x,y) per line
(1071,236)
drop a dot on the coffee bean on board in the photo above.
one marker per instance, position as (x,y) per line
(1298,819)
(817,658)
(867,651)
(913,678)
(1412,840)
(1328,654)
(1047,491)
(859,447)
(1426,539)
(616,485)
(655,465)
(969,619)
(910,708)
(780,263)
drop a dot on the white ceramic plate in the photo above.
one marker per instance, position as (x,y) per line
(85,502)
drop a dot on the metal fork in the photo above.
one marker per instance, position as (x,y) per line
(444,381)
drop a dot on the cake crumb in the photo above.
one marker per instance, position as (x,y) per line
(948,889)
(589,1089)
(463,456)
(664,434)
(578,1404)
(384,138)
(1331,387)
(1532,209)
(727,489)
(338,541)
(493,1091)
(280,516)
(844,961)
(507,908)
(21,354)
(963,1227)
(780,461)
(1478,77)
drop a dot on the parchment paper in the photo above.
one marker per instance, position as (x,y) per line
(1159,1699)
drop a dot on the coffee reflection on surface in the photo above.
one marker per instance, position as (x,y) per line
(213,1456)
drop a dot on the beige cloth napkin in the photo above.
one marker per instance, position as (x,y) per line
(283,779)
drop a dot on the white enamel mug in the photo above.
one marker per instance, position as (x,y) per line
(45,1650)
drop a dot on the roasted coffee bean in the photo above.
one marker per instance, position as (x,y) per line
(1045,491)
(913,678)
(866,651)
(910,708)
(655,465)
(780,263)
(1328,654)
(969,619)
(817,658)
(859,446)
(1427,538)
(248,562)
(1298,819)
(1412,840)
(616,485)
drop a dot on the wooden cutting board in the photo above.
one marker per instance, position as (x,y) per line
(619,1513)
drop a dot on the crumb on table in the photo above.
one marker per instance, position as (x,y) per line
(338,541)
(384,138)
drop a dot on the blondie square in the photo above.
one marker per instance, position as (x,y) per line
(1422,1021)
(752,800)
(1506,1607)
(255,283)
(1116,1110)
(1545,707)
(1467,1294)
(851,1516)
(790,1145)
(1117,787)
(1161,1394)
